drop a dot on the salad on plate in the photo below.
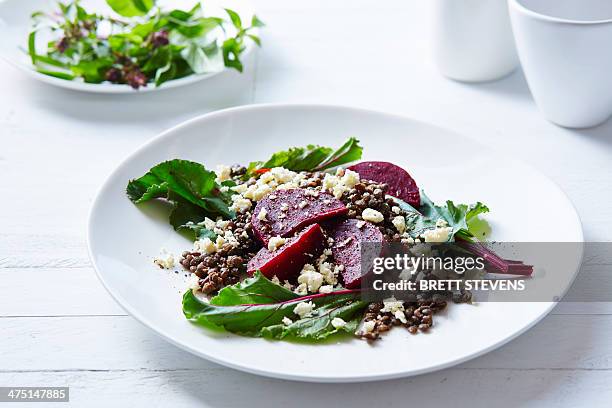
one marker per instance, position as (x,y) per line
(139,44)
(278,243)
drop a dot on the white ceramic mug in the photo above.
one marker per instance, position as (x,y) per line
(473,39)
(565,47)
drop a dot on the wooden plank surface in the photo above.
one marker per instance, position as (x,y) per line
(59,326)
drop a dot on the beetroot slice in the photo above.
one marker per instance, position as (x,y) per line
(288,211)
(400,183)
(347,248)
(288,260)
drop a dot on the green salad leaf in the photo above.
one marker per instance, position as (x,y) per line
(257,307)
(255,290)
(145,45)
(189,186)
(131,8)
(462,218)
(311,157)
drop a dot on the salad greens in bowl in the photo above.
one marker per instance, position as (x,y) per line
(276,250)
(139,43)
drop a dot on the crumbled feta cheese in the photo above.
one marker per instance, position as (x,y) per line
(341,182)
(308,267)
(209,224)
(368,327)
(287,285)
(396,209)
(401,316)
(396,308)
(441,223)
(276,179)
(392,305)
(282,175)
(165,260)
(313,280)
(205,246)
(301,289)
(275,243)
(221,223)
(329,274)
(229,238)
(360,224)
(303,204)
(240,203)
(260,192)
(326,289)
(399,223)
(263,215)
(372,215)
(339,190)
(350,178)
(287,321)
(266,177)
(304,309)
(284,207)
(275,280)
(407,240)
(437,234)
(193,282)
(329,182)
(240,188)
(338,323)
(223,173)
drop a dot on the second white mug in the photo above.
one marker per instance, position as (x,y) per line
(565,48)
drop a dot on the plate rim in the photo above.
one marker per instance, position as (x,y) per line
(297,377)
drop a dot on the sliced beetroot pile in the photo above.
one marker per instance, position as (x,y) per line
(400,184)
(288,260)
(348,236)
(288,211)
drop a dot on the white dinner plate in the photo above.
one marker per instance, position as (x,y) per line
(124,238)
(15,25)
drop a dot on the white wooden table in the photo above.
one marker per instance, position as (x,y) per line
(59,327)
